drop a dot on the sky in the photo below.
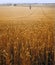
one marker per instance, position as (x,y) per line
(27,1)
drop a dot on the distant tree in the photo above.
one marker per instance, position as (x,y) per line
(14,4)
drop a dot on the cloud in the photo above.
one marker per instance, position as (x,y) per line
(27,1)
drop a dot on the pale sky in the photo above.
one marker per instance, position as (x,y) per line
(27,1)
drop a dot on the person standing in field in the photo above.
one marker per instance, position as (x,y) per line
(30,7)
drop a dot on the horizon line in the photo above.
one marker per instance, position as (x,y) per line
(27,3)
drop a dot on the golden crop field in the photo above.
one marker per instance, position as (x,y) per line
(27,36)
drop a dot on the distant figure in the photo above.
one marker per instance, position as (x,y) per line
(30,7)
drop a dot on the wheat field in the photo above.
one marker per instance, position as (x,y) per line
(27,36)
